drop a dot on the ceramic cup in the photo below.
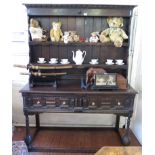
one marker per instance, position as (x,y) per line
(41,59)
(64,61)
(109,61)
(53,60)
(94,61)
(119,61)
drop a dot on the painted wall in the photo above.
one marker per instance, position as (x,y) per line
(20,56)
(136,79)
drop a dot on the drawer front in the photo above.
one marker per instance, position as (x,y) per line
(110,102)
(34,101)
(49,101)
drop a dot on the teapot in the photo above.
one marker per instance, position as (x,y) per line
(78,58)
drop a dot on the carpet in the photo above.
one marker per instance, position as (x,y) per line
(19,148)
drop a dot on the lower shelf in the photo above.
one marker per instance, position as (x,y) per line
(73,139)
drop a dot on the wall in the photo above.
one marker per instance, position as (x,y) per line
(136,80)
(20,56)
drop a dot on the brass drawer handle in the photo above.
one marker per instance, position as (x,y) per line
(63,102)
(93,104)
(119,103)
(38,102)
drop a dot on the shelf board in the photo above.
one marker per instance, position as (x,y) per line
(83,65)
(45,43)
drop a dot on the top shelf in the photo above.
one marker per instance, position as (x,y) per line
(44,43)
(79,10)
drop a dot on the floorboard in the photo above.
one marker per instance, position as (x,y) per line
(74,138)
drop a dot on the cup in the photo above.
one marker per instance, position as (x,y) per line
(119,61)
(41,59)
(54,60)
(109,61)
(64,61)
(94,61)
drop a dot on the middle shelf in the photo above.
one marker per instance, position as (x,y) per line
(68,66)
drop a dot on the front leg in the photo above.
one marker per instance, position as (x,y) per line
(37,120)
(126,138)
(117,122)
(28,138)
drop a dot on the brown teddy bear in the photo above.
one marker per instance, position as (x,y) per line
(56,33)
(70,36)
(37,33)
(114,33)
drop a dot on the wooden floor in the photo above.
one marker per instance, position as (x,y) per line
(77,137)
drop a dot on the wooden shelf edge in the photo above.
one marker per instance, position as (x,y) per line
(81,66)
(44,43)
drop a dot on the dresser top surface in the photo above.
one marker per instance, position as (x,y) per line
(72,89)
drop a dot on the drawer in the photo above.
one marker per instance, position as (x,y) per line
(49,101)
(109,103)
(99,102)
(35,101)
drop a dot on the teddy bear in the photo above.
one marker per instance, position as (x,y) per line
(114,33)
(94,37)
(75,36)
(36,32)
(70,36)
(56,33)
(66,37)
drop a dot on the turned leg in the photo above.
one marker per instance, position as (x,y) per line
(126,138)
(28,137)
(117,122)
(37,120)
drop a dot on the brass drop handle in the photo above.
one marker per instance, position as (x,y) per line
(63,102)
(119,103)
(93,103)
(38,102)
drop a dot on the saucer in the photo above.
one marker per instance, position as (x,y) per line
(119,63)
(64,63)
(109,63)
(93,63)
(41,62)
(53,62)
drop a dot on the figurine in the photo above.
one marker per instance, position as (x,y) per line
(90,74)
(114,33)
(56,33)
(36,31)
(94,37)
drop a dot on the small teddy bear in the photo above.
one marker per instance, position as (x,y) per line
(66,37)
(94,37)
(114,33)
(36,31)
(70,36)
(74,36)
(56,33)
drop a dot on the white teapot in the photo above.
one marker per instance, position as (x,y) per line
(78,58)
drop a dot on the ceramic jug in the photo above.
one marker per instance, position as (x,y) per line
(78,56)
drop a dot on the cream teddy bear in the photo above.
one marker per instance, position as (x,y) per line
(36,31)
(56,33)
(114,33)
